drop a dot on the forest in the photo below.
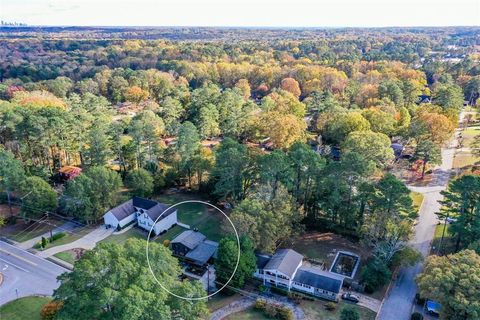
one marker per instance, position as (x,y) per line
(293,129)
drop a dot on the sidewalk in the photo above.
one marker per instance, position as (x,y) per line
(68,226)
(88,242)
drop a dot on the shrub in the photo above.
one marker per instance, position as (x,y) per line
(349,313)
(284,313)
(50,310)
(274,311)
(44,242)
(375,274)
(279,291)
(166,242)
(417,316)
(260,304)
(262,288)
(271,310)
(330,306)
(59,235)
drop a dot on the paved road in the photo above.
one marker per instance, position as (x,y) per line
(399,302)
(26,274)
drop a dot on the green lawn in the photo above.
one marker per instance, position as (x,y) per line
(70,237)
(197,215)
(448,244)
(469,135)
(464,159)
(121,238)
(170,234)
(67,256)
(27,308)
(316,310)
(220,300)
(21,231)
(417,199)
(249,314)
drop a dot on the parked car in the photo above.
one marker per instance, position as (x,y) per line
(433,308)
(350,297)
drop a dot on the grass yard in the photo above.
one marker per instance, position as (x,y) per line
(464,160)
(170,234)
(70,237)
(67,256)
(197,215)
(469,135)
(220,300)
(71,255)
(448,244)
(316,310)
(21,231)
(323,247)
(133,233)
(23,308)
(417,199)
(248,314)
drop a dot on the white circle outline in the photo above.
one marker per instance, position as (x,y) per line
(238,256)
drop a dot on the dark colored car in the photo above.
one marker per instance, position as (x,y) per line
(350,297)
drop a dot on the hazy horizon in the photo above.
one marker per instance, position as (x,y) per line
(246,13)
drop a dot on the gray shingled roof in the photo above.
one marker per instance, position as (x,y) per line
(124,210)
(189,238)
(155,211)
(203,252)
(285,261)
(319,279)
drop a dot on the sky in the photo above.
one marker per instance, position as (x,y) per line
(262,13)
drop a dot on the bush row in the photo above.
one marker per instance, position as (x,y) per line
(274,311)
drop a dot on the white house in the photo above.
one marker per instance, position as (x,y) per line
(144,212)
(281,268)
(284,270)
(120,216)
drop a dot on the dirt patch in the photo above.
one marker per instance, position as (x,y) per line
(321,248)
(5,210)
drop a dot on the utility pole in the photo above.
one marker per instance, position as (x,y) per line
(208,280)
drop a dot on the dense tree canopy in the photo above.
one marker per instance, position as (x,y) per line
(453,281)
(114,282)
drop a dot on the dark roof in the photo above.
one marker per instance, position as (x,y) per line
(155,211)
(124,210)
(203,252)
(262,261)
(318,279)
(153,208)
(285,261)
(143,203)
(189,238)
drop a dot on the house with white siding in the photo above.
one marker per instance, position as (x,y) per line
(285,270)
(144,212)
